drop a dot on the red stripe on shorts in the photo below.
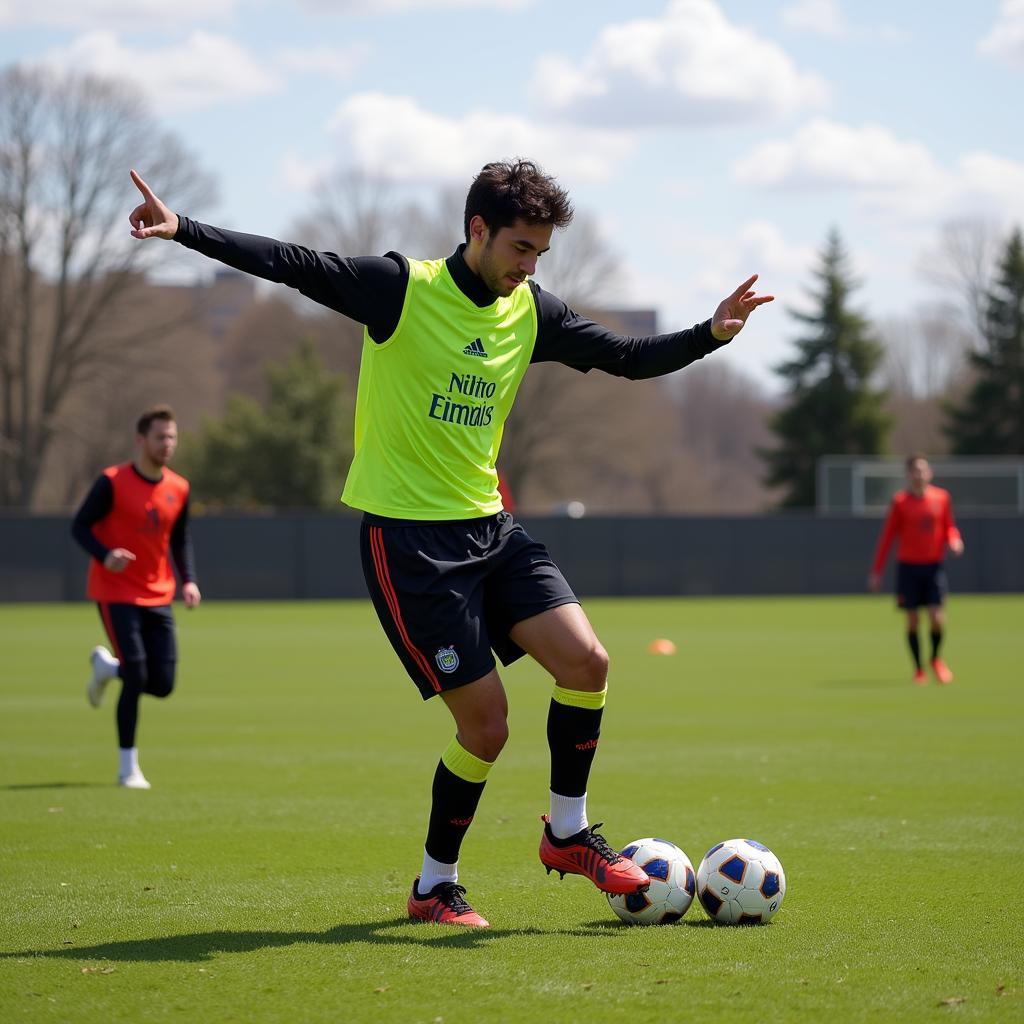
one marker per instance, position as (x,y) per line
(380,563)
(108,625)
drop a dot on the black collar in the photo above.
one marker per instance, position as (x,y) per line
(468,283)
(148,479)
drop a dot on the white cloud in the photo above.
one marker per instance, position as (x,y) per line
(396,137)
(822,17)
(896,177)
(202,71)
(300,174)
(339,63)
(826,154)
(376,6)
(1006,40)
(760,247)
(94,14)
(988,186)
(827,18)
(690,66)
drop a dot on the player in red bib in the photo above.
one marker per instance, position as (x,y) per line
(133,518)
(921,519)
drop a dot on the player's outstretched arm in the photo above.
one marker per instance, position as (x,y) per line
(151,218)
(733,311)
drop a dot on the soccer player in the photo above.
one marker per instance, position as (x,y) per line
(921,518)
(132,515)
(451,574)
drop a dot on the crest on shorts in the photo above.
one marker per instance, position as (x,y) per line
(447,660)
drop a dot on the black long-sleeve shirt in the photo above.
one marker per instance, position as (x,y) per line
(371,291)
(98,503)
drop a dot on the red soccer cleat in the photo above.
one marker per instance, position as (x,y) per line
(588,853)
(444,904)
(920,679)
(942,671)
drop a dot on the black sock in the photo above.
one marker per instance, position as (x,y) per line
(454,802)
(573,733)
(936,642)
(915,648)
(133,685)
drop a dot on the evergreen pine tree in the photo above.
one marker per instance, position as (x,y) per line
(831,407)
(991,419)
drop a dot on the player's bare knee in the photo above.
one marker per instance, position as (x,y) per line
(589,671)
(486,739)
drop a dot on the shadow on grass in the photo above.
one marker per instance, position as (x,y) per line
(58,785)
(203,946)
(616,925)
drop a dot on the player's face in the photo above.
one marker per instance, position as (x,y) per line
(159,442)
(509,255)
(919,474)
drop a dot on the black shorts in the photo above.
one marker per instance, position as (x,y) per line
(920,585)
(140,632)
(447,594)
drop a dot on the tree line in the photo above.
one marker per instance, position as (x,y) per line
(834,404)
(87,337)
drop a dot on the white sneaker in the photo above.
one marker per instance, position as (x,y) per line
(134,781)
(104,668)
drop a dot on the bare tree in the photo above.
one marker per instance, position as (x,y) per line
(722,421)
(437,229)
(580,268)
(923,356)
(66,265)
(351,214)
(923,367)
(962,268)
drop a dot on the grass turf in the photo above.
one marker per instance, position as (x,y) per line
(264,877)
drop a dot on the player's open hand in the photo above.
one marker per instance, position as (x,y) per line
(151,218)
(118,559)
(956,545)
(733,311)
(190,594)
(874,582)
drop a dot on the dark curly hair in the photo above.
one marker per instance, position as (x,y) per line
(510,190)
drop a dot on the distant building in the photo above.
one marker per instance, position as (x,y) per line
(224,300)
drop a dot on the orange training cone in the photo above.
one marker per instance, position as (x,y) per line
(661,646)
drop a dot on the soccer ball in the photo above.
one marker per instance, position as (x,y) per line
(740,882)
(672,884)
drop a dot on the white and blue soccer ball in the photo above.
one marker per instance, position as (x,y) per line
(741,882)
(673,884)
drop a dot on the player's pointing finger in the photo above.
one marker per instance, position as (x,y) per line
(745,287)
(141,185)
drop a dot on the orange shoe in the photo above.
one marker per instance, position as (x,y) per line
(444,904)
(920,679)
(588,853)
(942,671)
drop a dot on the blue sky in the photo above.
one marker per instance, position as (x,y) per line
(709,138)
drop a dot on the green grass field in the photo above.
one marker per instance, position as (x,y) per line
(264,877)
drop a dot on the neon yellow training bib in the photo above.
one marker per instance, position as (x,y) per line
(433,399)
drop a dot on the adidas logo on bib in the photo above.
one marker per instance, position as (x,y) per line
(475,348)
